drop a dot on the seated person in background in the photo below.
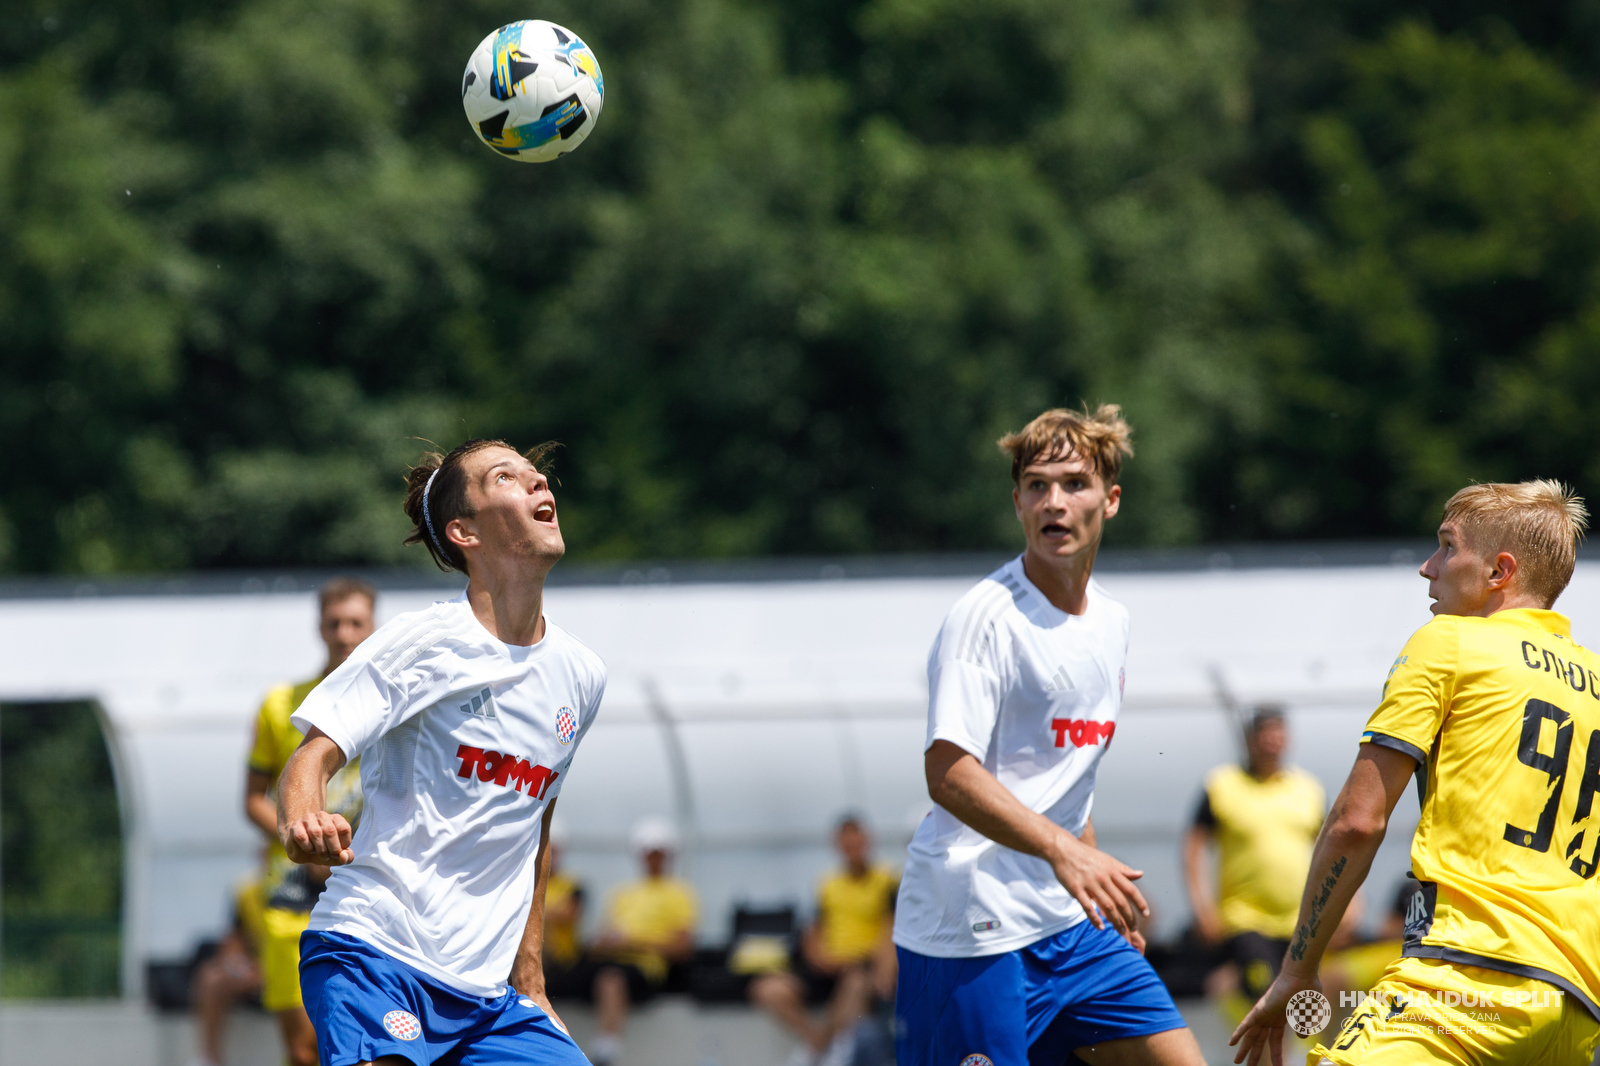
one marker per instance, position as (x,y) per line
(1263,818)
(564,972)
(230,973)
(842,955)
(649,925)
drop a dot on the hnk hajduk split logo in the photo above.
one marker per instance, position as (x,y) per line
(1309,1012)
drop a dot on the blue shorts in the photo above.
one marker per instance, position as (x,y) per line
(365,1003)
(1031,1007)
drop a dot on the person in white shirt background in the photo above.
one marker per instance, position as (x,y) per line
(1018,940)
(466,716)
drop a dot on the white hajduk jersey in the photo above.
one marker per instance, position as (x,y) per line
(1032,692)
(464,740)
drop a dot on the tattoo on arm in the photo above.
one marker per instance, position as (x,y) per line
(1297,949)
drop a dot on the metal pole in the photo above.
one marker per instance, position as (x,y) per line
(2,862)
(677,770)
(135,863)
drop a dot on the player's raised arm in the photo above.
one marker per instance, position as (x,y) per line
(959,784)
(309,832)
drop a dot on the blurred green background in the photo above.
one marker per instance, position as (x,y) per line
(1335,260)
(61,853)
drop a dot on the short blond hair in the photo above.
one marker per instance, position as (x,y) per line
(1101,439)
(1539,522)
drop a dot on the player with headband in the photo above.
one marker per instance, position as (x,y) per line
(466,716)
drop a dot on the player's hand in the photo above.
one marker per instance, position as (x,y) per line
(1101,883)
(1262,1029)
(319,837)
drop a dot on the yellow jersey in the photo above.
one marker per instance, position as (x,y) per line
(1502,715)
(284,885)
(561,943)
(651,912)
(854,912)
(1265,832)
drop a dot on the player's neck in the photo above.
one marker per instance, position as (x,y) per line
(1510,600)
(1064,582)
(1263,769)
(509,605)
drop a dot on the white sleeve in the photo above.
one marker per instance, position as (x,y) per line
(597,692)
(587,713)
(590,709)
(355,705)
(963,705)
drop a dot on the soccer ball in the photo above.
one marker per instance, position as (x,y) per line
(532,91)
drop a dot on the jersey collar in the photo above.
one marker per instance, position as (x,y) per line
(1042,602)
(1549,621)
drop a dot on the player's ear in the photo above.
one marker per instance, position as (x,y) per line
(1016,500)
(1113,500)
(1504,572)
(462,532)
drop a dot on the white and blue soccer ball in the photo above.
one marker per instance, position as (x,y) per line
(532,91)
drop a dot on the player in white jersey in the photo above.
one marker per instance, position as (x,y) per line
(466,716)
(1006,954)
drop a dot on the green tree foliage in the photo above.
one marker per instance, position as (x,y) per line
(1443,325)
(62,853)
(817,255)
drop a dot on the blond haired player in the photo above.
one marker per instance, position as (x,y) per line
(1496,711)
(1017,938)
(344,620)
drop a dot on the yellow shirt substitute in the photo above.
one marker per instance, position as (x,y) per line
(1265,831)
(652,912)
(275,740)
(561,943)
(854,912)
(1503,716)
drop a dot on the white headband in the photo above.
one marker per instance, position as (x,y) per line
(427,516)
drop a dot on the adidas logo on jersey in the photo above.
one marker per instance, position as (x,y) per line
(505,769)
(1061,682)
(1081,731)
(482,705)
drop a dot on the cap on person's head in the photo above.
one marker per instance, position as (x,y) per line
(654,834)
(1265,714)
(850,820)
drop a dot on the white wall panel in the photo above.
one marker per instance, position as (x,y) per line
(791,701)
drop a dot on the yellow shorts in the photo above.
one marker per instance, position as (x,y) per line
(1360,967)
(1427,1011)
(280,958)
(249,905)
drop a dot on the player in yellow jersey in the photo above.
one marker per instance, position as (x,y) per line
(1263,818)
(649,926)
(855,911)
(345,620)
(1495,710)
(564,972)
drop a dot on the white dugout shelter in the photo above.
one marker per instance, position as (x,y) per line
(753,703)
